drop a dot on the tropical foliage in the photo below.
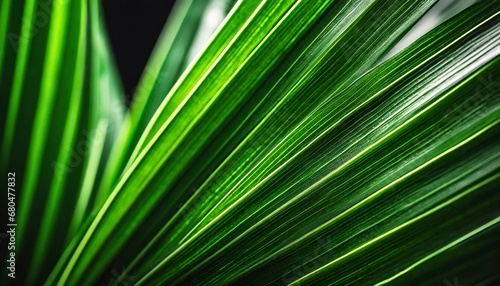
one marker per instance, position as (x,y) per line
(289,145)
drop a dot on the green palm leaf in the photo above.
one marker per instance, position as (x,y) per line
(292,144)
(61,121)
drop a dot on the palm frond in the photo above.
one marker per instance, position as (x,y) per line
(286,142)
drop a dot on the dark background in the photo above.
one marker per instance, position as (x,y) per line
(133,28)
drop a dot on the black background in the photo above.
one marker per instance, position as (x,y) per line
(133,28)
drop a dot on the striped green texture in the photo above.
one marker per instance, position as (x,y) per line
(279,142)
